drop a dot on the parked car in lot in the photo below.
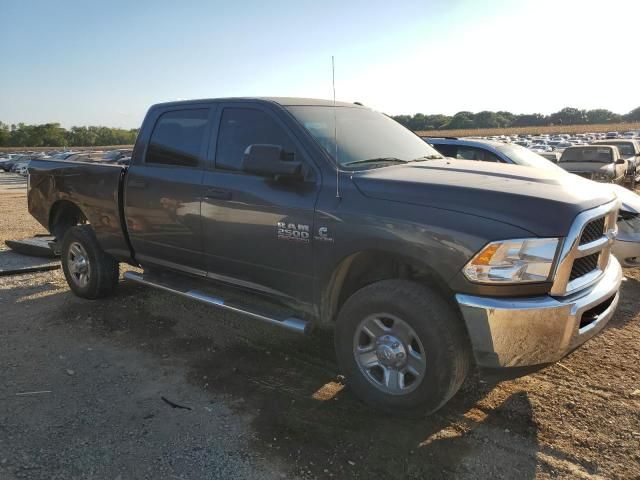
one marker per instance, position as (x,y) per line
(541,147)
(630,151)
(551,156)
(8,165)
(420,263)
(22,169)
(601,163)
(115,155)
(63,155)
(487,150)
(626,247)
(19,166)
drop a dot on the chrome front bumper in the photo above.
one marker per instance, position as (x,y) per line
(520,332)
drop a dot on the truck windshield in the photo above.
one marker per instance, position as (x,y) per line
(365,138)
(587,154)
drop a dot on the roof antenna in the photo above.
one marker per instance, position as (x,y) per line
(335,126)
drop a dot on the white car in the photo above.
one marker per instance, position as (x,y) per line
(539,147)
(22,169)
(626,248)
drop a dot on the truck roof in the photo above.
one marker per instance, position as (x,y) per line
(284,101)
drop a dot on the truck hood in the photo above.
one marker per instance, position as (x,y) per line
(541,201)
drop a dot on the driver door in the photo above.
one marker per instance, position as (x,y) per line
(257,230)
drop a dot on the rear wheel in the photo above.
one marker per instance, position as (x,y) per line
(402,347)
(90,272)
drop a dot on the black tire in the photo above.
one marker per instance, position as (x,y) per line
(434,321)
(102,268)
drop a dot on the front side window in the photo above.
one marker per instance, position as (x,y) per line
(242,127)
(178,138)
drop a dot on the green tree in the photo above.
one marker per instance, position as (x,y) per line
(461,120)
(569,116)
(601,115)
(5,134)
(633,115)
(530,120)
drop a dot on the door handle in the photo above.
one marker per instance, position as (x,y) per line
(137,184)
(217,194)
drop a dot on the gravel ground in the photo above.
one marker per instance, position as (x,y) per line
(262,403)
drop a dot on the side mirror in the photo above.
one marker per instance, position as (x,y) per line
(620,161)
(265,159)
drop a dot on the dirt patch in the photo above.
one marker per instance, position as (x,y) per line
(15,221)
(270,404)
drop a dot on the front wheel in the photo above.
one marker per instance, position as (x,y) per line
(402,347)
(90,272)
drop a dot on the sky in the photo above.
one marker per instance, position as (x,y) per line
(80,62)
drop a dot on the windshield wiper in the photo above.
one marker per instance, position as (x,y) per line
(376,160)
(428,157)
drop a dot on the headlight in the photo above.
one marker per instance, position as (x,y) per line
(513,261)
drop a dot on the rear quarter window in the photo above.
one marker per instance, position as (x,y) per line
(178,138)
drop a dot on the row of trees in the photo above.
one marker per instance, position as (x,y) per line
(53,135)
(486,119)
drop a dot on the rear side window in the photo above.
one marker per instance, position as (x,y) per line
(178,137)
(241,127)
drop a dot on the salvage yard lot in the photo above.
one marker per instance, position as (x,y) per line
(262,403)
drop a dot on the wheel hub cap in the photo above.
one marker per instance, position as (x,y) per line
(389,354)
(78,263)
(390,351)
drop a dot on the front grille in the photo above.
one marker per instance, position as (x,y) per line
(585,175)
(585,253)
(584,265)
(593,231)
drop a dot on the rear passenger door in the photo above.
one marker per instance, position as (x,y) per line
(258,231)
(163,190)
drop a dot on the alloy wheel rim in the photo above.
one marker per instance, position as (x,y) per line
(78,263)
(389,354)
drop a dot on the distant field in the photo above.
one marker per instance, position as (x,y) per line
(484,132)
(44,149)
(480,132)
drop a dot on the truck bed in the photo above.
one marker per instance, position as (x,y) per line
(95,188)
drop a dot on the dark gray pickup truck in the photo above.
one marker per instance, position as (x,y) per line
(300,213)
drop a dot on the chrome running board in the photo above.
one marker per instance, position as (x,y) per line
(290,323)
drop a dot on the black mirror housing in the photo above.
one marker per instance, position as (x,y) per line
(620,161)
(267,159)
